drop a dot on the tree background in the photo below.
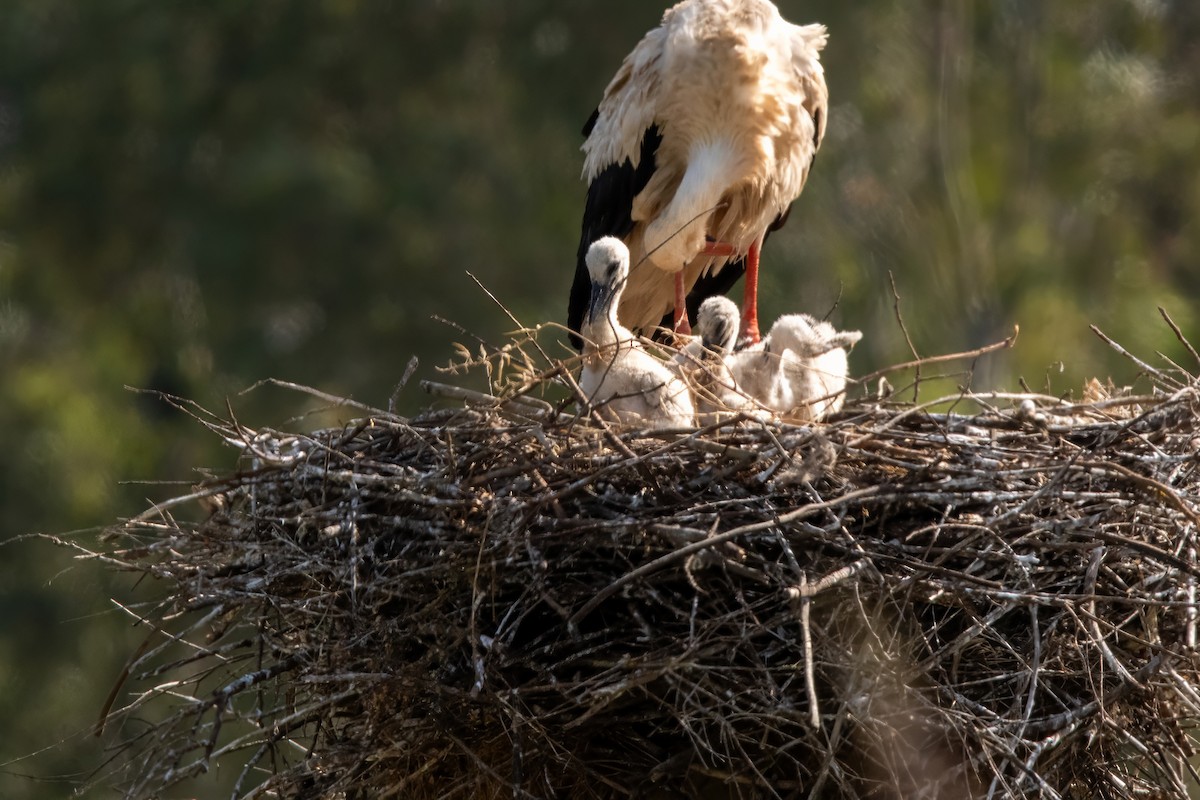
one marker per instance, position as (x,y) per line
(194,197)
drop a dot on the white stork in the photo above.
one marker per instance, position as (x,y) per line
(620,378)
(703,139)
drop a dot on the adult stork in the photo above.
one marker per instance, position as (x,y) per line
(702,140)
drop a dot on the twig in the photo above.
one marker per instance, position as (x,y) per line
(810,683)
(332,399)
(1142,365)
(1179,335)
(408,373)
(979,351)
(492,401)
(917,360)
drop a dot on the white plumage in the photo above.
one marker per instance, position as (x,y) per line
(819,381)
(619,378)
(800,371)
(703,363)
(703,139)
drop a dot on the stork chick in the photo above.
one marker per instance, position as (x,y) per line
(702,363)
(800,371)
(624,382)
(819,377)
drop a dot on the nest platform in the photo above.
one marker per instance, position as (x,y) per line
(992,595)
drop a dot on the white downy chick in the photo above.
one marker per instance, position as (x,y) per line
(800,370)
(619,377)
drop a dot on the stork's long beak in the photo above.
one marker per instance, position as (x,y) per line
(601,297)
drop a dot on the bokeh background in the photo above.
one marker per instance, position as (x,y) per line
(196,196)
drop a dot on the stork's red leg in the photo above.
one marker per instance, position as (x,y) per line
(681,324)
(750,333)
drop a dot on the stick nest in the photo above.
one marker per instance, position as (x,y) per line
(992,596)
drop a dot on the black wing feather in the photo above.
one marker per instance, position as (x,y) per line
(607,212)
(591,123)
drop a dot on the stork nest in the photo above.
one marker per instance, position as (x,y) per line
(992,596)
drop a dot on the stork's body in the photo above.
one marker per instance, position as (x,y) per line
(702,141)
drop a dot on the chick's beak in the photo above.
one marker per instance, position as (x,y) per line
(600,299)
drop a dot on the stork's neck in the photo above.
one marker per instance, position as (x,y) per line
(678,233)
(602,327)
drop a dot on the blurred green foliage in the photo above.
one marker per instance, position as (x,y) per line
(195,196)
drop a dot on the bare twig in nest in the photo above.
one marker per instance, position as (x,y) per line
(928,360)
(1179,335)
(333,400)
(1154,372)
(912,348)
(404,379)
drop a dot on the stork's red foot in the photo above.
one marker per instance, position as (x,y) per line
(679,321)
